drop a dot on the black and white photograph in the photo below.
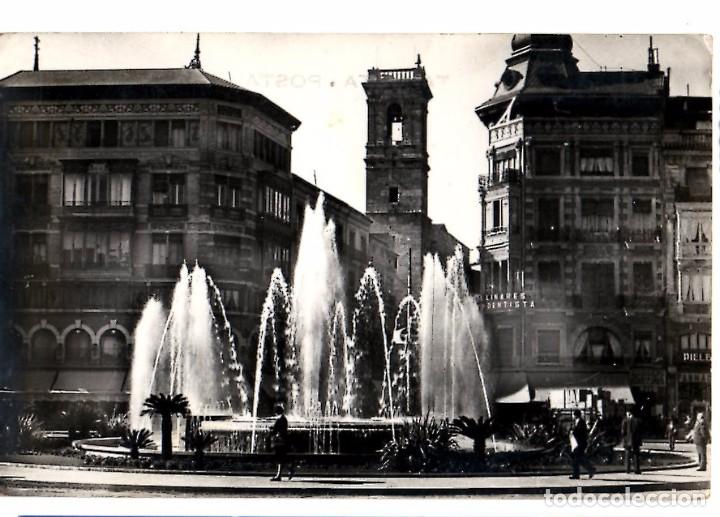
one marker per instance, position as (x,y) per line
(272,265)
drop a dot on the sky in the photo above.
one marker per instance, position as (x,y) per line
(317,78)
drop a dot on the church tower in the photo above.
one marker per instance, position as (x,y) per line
(397,164)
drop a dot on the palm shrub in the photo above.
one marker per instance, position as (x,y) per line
(30,432)
(422,445)
(477,430)
(80,419)
(199,442)
(115,424)
(165,406)
(136,439)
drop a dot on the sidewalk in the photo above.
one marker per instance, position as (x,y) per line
(19,476)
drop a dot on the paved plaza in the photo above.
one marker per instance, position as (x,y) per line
(25,479)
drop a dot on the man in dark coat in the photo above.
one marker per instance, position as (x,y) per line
(279,441)
(700,437)
(578,444)
(631,436)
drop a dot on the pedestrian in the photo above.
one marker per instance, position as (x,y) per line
(279,441)
(700,437)
(672,431)
(631,436)
(578,444)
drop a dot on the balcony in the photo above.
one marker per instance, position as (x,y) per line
(396,74)
(509,176)
(111,209)
(641,234)
(700,140)
(168,210)
(231,214)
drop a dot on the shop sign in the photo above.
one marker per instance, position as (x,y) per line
(506,301)
(695,357)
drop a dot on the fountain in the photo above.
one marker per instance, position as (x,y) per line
(344,382)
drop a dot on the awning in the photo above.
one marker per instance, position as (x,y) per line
(90,381)
(567,389)
(37,380)
(512,388)
(560,389)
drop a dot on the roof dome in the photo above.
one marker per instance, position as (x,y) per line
(542,41)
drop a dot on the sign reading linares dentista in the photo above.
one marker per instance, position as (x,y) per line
(506,301)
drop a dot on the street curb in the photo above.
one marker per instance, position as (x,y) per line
(283,490)
(371,475)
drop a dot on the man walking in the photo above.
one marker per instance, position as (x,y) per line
(700,436)
(578,444)
(280,444)
(631,436)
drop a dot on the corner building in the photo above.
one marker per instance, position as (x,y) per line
(113,178)
(578,217)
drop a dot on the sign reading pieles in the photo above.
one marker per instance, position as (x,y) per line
(695,357)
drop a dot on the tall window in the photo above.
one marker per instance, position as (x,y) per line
(95,185)
(168,189)
(395,124)
(31,248)
(89,248)
(598,284)
(547,161)
(110,133)
(178,133)
(271,152)
(393,195)
(277,204)
(696,285)
(549,277)
(498,219)
(597,161)
(640,163)
(548,218)
(597,215)
(167,249)
(229,137)
(506,345)
(227,191)
(699,183)
(32,189)
(597,345)
(77,346)
(642,345)
(43,347)
(113,348)
(548,346)
(643,281)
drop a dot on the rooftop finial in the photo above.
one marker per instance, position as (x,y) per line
(419,61)
(653,57)
(195,61)
(36,64)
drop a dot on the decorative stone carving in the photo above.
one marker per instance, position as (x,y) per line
(102,108)
(587,126)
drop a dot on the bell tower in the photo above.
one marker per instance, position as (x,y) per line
(396,163)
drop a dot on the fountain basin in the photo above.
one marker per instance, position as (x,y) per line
(325,435)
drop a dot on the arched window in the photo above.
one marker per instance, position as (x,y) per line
(43,346)
(394,124)
(77,346)
(113,348)
(597,345)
